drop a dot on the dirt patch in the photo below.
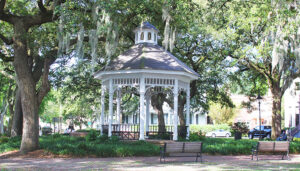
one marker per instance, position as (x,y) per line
(34,154)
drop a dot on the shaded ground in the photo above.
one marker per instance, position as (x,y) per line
(266,162)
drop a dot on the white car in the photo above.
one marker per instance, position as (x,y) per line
(218,133)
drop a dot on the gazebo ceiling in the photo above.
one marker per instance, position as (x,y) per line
(146,56)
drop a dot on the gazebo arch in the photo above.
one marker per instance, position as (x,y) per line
(145,66)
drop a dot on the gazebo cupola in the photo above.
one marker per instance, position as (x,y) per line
(145,33)
(148,69)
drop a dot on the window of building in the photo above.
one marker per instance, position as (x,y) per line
(135,119)
(125,119)
(197,119)
(166,118)
(297,85)
(154,118)
(154,36)
(149,36)
(136,36)
(142,36)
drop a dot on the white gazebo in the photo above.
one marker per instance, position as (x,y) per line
(146,67)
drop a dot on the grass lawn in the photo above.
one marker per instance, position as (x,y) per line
(111,147)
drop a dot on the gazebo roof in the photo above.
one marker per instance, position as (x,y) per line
(147,56)
(146,25)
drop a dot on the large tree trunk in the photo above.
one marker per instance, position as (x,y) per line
(27,86)
(157,102)
(11,111)
(276,111)
(181,103)
(2,113)
(17,119)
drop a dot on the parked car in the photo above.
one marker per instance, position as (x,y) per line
(46,130)
(218,133)
(265,132)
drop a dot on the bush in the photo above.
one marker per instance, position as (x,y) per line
(196,137)
(161,136)
(296,139)
(225,146)
(102,147)
(102,138)
(203,129)
(114,139)
(4,139)
(240,127)
(9,144)
(91,136)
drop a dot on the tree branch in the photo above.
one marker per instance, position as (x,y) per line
(7,41)
(41,6)
(2,5)
(3,16)
(7,75)
(45,87)
(5,58)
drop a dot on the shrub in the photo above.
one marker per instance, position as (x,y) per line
(163,136)
(9,144)
(240,127)
(296,139)
(102,138)
(56,135)
(114,139)
(4,139)
(203,129)
(91,136)
(196,137)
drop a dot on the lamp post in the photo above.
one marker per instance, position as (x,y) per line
(259,98)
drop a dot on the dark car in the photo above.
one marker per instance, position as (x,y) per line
(46,130)
(265,132)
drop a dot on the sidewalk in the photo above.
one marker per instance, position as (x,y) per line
(266,162)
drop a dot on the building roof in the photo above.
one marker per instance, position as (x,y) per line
(147,56)
(146,25)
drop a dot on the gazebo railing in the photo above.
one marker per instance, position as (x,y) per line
(132,131)
(124,131)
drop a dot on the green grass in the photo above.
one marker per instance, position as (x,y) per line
(101,147)
(111,147)
(227,146)
(9,144)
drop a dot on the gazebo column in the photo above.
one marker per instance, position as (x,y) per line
(188,111)
(175,93)
(147,113)
(110,117)
(118,106)
(102,108)
(142,108)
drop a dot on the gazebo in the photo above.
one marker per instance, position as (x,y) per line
(147,68)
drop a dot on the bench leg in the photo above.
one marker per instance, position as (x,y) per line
(162,156)
(287,155)
(197,157)
(257,155)
(201,157)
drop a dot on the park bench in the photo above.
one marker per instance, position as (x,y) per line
(271,147)
(181,149)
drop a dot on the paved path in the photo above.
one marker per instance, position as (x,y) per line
(152,163)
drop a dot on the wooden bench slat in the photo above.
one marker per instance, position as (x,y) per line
(266,146)
(272,146)
(281,146)
(182,149)
(192,147)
